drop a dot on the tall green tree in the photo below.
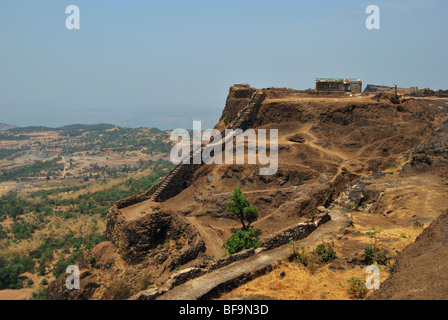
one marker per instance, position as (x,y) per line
(240,207)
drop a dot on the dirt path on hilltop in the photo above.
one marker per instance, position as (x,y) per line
(213,242)
(312,143)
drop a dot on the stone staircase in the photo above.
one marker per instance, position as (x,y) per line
(182,170)
(165,182)
(255,102)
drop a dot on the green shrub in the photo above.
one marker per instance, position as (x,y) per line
(357,288)
(305,258)
(375,254)
(145,281)
(119,290)
(392,166)
(41,268)
(62,264)
(241,240)
(323,253)
(60,267)
(40,295)
(3,233)
(92,260)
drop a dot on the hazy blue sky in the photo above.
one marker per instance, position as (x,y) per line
(164,63)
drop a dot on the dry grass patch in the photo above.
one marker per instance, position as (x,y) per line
(293,282)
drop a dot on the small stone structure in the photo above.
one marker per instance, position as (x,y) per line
(338,85)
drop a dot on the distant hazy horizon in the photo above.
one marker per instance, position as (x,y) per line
(166,63)
(74,124)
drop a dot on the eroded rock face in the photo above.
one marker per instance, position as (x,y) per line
(148,246)
(238,98)
(153,234)
(57,290)
(420,272)
(434,150)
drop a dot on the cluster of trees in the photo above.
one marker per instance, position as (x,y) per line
(37,169)
(43,194)
(79,138)
(3,233)
(10,270)
(12,206)
(31,212)
(120,139)
(70,248)
(101,201)
(41,205)
(96,171)
(11,137)
(22,229)
(4,153)
(90,203)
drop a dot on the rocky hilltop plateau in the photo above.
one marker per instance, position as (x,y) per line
(347,165)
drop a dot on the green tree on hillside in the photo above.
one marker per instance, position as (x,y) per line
(241,208)
(247,237)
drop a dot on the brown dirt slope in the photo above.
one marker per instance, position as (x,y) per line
(421,271)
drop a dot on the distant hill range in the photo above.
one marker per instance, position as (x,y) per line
(4,126)
(74,129)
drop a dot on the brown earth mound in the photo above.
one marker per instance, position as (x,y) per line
(421,271)
(434,150)
(150,234)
